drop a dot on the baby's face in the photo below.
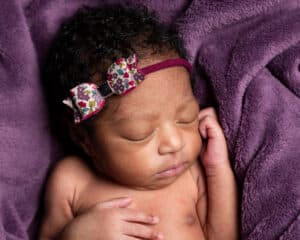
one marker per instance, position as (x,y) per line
(149,137)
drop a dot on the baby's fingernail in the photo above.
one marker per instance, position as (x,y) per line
(155,219)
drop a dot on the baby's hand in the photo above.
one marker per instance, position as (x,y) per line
(112,220)
(215,147)
(221,217)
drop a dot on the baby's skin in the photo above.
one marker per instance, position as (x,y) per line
(160,170)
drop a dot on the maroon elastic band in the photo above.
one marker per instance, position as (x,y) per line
(166,64)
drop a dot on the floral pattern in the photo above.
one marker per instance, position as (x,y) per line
(85,100)
(123,75)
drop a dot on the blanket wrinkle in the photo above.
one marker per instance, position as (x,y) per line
(293,232)
(286,67)
(246,59)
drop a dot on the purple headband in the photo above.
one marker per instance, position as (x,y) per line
(87,99)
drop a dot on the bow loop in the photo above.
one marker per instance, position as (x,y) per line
(123,75)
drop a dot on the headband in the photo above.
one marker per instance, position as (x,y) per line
(87,99)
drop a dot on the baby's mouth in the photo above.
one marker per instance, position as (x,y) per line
(173,171)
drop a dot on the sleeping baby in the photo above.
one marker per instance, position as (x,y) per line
(154,166)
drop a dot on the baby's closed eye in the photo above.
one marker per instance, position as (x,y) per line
(188,119)
(136,132)
(188,114)
(137,137)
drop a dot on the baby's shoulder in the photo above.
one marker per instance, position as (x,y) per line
(69,175)
(67,178)
(71,167)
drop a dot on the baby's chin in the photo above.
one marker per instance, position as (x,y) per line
(152,186)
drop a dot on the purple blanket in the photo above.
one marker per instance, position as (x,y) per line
(246,57)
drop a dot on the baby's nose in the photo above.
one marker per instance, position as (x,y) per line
(171,140)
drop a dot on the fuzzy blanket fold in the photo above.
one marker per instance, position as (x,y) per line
(246,57)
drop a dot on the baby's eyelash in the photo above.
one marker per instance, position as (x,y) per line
(140,139)
(187,121)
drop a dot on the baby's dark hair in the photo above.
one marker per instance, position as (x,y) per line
(88,43)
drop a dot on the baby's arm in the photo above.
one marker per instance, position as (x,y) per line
(109,220)
(58,199)
(218,213)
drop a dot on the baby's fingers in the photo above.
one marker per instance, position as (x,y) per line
(214,150)
(207,112)
(139,231)
(210,128)
(138,224)
(131,215)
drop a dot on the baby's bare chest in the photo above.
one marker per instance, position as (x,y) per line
(174,205)
(177,213)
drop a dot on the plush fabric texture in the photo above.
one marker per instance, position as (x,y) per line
(246,57)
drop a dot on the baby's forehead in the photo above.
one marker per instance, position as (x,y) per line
(123,114)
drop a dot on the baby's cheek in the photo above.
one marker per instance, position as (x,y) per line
(195,144)
(198,138)
(199,145)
